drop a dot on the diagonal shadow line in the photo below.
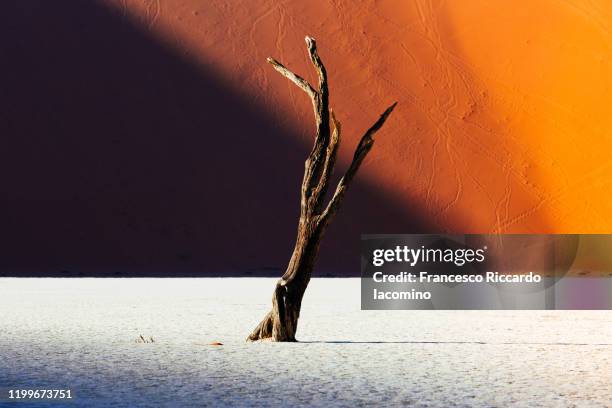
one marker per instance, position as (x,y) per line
(123,157)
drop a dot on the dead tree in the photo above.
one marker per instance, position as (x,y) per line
(280,324)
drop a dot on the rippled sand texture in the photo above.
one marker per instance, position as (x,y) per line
(81,334)
(503,121)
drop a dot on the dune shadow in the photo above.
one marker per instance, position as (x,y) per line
(123,157)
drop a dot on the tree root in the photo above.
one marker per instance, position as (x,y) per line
(263,331)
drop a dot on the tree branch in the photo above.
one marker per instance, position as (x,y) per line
(329,163)
(362,150)
(296,79)
(314,174)
(321,72)
(311,164)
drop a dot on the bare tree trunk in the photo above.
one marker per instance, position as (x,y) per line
(280,324)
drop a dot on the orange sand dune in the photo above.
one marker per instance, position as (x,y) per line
(151,137)
(503,123)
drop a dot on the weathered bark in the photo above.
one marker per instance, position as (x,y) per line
(280,324)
